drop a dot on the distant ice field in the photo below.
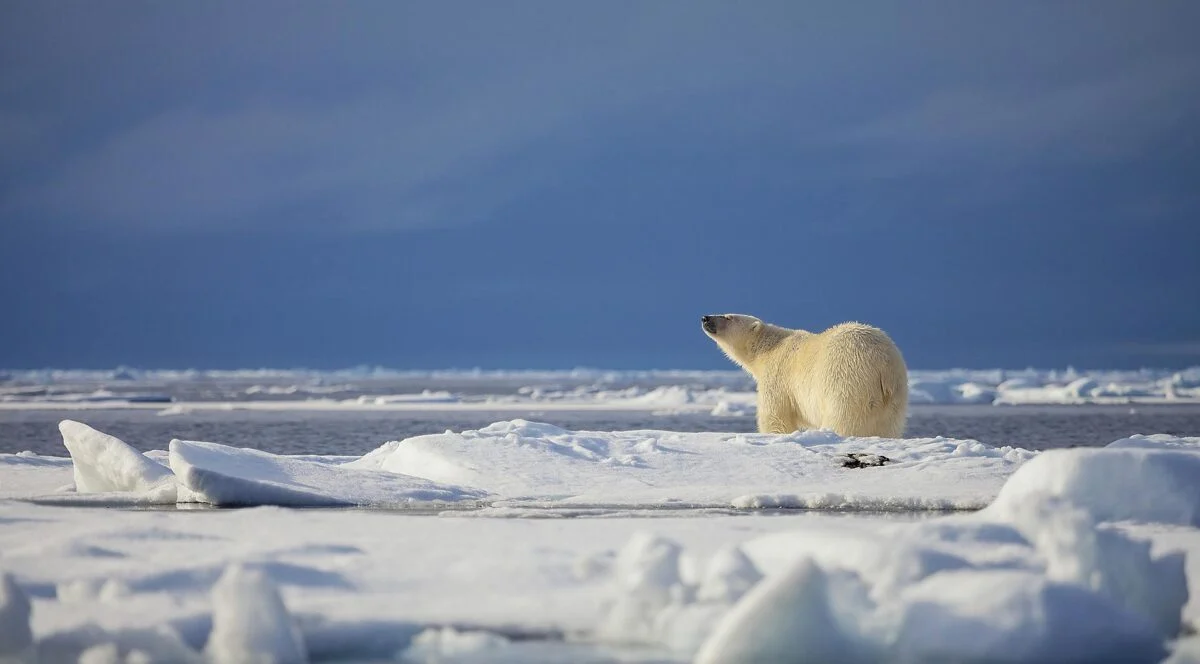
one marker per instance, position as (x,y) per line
(356,433)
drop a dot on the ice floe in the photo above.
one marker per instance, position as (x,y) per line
(529,464)
(1078,555)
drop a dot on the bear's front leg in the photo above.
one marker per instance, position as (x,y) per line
(775,416)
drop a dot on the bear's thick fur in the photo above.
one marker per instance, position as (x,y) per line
(850,378)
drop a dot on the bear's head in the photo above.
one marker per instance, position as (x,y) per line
(738,335)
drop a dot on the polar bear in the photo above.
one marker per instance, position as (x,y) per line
(850,378)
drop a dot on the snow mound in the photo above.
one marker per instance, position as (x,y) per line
(1036,577)
(966,589)
(1075,550)
(251,623)
(785,619)
(1112,484)
(529,463)
(103,464)
(223,475)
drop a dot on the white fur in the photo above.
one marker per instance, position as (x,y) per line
(850,378)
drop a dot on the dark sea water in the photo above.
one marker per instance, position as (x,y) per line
(343,433)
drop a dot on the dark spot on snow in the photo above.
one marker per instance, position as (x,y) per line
(862,460)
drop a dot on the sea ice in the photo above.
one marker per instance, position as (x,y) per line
(103,463)
(223,475)
(523,462)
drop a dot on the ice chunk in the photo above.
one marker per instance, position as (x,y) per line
(785,619)
(436,645)
(1112,484)
(251,623)
(104,463)
(16,638)
(1158,441)
(104,653)
(223,475)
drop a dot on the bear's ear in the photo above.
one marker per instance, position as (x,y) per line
(756,326)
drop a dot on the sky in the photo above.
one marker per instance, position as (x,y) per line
(543,184)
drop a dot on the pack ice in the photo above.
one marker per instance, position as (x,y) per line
(1076,555)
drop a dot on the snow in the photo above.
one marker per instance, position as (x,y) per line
(985,587)
(787,618)
(1115,483)
(438,645)
(251,623)
(1078,555)
(529,463)
(1158,441)
(223,475)
(103,463)
(522,464)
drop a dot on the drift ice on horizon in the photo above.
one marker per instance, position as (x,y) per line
(719,393)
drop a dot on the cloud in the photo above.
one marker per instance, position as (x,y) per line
(228,115)
(1101,119)
(428,139)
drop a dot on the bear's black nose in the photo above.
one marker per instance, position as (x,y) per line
(709,323)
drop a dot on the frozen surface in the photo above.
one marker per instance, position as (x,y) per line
(719,393)
(1080,555)
(222,475)
(357,584)
(530,464)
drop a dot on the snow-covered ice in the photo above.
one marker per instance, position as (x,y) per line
(102,464)
(1115,483)
(1079,555)
(223,475)
(531,463)
(536,465)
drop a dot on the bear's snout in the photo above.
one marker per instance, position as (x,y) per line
(709,323)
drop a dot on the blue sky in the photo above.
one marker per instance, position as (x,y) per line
(548,184)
